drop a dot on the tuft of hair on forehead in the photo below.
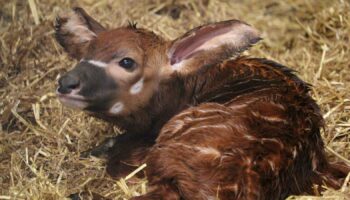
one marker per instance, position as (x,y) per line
(132,24)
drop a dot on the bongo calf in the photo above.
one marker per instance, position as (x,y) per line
(209,123)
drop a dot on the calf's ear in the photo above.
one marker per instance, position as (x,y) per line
(211,43)
(74,30)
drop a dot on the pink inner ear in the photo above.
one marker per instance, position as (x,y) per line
(185,48)
(233,35)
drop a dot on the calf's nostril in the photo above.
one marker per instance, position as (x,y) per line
(73,83)
(67,84)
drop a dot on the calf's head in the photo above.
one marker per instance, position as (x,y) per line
(119,70)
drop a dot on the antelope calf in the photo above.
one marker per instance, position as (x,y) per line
(209,123)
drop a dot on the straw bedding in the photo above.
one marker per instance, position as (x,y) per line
(40,140)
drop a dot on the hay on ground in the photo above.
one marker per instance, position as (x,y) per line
(40,140)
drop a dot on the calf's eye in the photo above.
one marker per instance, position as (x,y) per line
(127,63)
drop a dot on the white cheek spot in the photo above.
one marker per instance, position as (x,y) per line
(117,108)
(137,87)
(97,63)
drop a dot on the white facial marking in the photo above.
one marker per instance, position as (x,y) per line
(117,108)
(72,103)
(137,87)
(177,66)
(97,63)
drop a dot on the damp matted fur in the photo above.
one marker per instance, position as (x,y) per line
(40,140)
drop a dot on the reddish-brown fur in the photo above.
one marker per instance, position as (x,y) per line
(260,141)
(240,128)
